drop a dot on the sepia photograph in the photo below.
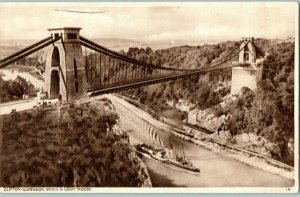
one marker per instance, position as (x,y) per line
(161,97)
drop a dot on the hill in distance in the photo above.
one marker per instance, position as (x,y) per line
(8,47)
(116,43)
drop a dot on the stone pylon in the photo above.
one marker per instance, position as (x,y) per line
(249,74)
(65,66)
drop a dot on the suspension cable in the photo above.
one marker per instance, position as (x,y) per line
(213,66)
(126,59)
(228,53)
(94,46)
(25,49)
(29,52)
(100,49)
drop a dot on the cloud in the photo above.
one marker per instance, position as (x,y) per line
(140,21)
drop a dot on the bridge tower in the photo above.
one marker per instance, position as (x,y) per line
(65,69)
(249,73)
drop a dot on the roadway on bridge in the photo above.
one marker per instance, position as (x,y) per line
(216,170)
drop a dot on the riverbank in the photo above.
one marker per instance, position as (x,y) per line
(29,73)
(248,157)
(217,169)
(243,156)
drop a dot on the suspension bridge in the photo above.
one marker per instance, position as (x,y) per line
(73,73)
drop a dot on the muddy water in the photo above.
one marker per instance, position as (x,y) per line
(216,170)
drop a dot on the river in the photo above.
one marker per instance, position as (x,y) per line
(12,74)
(216,169)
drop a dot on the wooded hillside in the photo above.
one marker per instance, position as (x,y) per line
(267,111)
(75,146)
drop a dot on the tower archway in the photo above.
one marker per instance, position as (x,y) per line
(54,86)
(65,67)
(55,58)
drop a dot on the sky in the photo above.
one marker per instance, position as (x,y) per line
(151,21)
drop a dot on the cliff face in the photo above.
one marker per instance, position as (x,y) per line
(69,146)
(206,119)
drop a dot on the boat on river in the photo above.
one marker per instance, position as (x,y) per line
(152,152)
(161,155)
